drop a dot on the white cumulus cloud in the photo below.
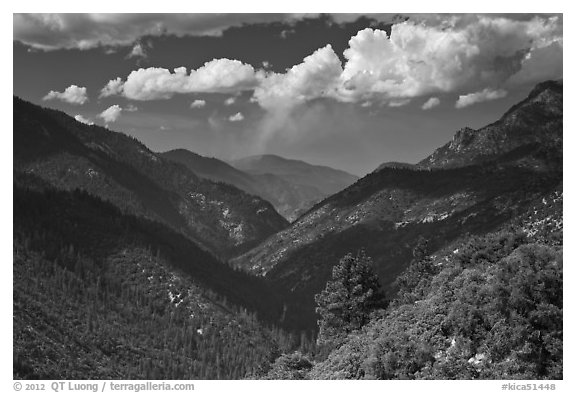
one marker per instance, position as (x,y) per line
(84,120)
(230,101)
(72,94)
(237,117)
(419,59)
(317,76)
(480,96)
(113,87)
(216,76)
(198,104)
(111,114)
(431,103)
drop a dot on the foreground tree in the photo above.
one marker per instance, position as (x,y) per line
(348,299)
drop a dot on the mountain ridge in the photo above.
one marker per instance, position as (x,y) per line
(536,119)
(291,186)
(118,168)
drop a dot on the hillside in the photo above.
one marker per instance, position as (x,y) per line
(487,307)
(119,169)
(388,210)
(139,299)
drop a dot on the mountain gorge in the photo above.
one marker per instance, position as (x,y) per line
(178,266)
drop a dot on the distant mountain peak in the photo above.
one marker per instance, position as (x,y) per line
(274,163)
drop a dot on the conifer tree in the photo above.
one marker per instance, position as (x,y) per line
(348,299)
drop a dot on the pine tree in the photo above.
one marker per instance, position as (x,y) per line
(348,299)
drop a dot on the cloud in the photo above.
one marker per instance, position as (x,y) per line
(431,103)
(230,101)
(111,114)
(216,76)
(540,64)
(137,51)
(426,56)
(113,87)
(131,108)
(317,76)
(459,54)
(198,104)
(86,31)
(84,120)
(72,94)
(399,103)
(281,93)
(237,117)
(480,96)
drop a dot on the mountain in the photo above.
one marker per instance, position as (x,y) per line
(537,119)
(119,268)
(471,186)
(213,168)
(119,169)
(291,186)
(322,178)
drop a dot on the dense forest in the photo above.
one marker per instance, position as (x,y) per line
(101,294)
(487,307)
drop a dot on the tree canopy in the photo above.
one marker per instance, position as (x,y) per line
(348,299)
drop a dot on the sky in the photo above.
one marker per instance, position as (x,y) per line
(349,91)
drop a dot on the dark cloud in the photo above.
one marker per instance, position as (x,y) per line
(85,31)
